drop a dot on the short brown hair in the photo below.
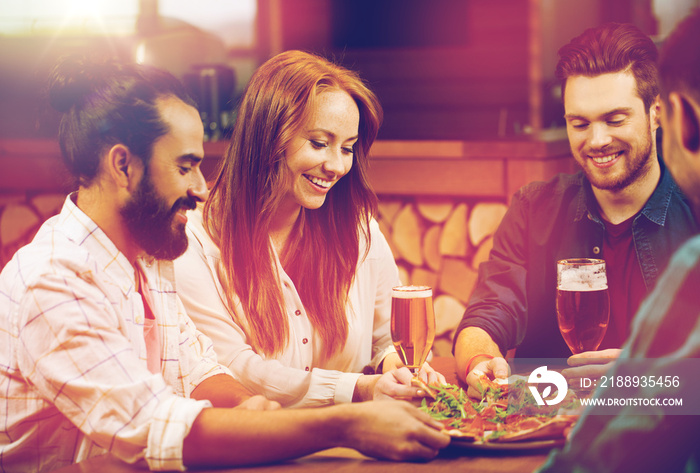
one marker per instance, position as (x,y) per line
(610,48)
(679,66)
(105,102)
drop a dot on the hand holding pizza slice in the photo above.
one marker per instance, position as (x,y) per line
(427,389)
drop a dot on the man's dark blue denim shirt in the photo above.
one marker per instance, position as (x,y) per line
(514,298)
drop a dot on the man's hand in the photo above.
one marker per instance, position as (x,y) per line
(474,345)
(495,368)
(590,364)
(394,430)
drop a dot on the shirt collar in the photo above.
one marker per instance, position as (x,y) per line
(85,233)
(584,199)
(655,209)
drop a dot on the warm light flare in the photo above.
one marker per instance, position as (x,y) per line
(68,16)
(83,9)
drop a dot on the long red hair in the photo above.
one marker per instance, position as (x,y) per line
(322,252)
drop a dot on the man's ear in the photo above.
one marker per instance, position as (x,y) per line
(685,116)
(654,112)
(690,124)
(123,166)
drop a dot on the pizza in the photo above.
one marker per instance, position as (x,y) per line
(429,391)
(505,413)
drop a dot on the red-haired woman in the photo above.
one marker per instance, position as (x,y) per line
(286,271)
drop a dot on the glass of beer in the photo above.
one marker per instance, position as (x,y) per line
(412,324)
(583,306)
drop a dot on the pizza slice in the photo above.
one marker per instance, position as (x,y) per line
(427,389)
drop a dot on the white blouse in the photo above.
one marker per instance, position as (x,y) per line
(296,377)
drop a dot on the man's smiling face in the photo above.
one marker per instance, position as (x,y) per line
(610,132)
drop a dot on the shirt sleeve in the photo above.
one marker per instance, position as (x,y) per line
(498,304)
(73,348)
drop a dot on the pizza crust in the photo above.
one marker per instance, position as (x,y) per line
(553,428)
(419,383)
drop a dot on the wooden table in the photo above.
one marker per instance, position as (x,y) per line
(453,458)
(345,460)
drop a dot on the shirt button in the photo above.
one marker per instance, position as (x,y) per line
(306,369)
(305,341)
(596,250)
(297,312)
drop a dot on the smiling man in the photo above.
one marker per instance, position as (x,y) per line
(97,353)
(665,340)
(622,207)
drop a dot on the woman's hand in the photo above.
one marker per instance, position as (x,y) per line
(430,376)
(391,362)
(396,384)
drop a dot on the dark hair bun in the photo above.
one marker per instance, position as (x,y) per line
(69,83)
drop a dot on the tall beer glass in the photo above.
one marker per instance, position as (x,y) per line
(412,324)
(583,306)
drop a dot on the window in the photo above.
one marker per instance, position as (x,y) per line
(232,21)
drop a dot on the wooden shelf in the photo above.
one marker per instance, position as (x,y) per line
(493,168)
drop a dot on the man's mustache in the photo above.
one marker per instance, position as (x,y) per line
(187,203)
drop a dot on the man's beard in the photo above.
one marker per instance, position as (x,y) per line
(636,167)
(150,221)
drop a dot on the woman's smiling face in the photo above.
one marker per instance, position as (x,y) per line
(322,152)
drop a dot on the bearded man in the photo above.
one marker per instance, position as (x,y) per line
(623,207)
(645,436)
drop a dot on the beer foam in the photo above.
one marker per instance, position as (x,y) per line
(582,279)
(411,292)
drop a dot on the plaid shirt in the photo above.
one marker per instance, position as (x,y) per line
(73,375)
